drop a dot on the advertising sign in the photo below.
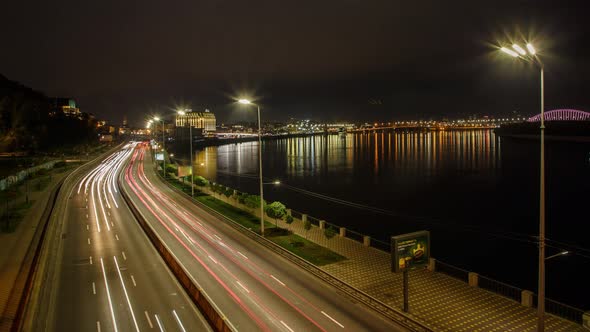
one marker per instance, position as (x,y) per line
(409,251)
(184,171)
(159,156)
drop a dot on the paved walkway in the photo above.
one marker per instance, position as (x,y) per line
(14,249)
(442,302)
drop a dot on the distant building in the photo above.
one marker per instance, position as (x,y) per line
(65,106)
(203,120)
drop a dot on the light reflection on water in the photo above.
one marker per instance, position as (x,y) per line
(456,178)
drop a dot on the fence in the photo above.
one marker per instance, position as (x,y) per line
(20,176)
(501,288)
(452,271)
(561,309)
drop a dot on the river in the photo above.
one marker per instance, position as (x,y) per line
(478,194)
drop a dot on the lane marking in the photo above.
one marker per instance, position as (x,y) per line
(93,288)
(178,320)
(90,260)
(87,227)
(112,224)
(106,283)
(214,261)
(86,215)
(149,320)
(126,295)
(242,255)
(109,213)
(124,257)
(246,289)
(332,319)
(287,326)
(88,240)
(133,279)
(159,323)
(98,326)
(280,282)
(117,237)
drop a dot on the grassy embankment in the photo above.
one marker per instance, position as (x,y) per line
(294,243)
(15,204)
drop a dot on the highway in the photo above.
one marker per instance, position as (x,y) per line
(110,277)
(255,289)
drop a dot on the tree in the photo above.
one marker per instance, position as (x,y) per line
(306,226)
(289,220)
(329,232)
(276,210)
(242,198)
(200,181)
(253,201)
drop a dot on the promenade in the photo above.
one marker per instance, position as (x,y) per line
(442,302)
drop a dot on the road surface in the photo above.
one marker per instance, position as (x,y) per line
(255,289)
(111,278)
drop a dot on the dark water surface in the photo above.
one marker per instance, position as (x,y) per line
(478,195)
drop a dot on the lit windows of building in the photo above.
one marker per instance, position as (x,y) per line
(204,120)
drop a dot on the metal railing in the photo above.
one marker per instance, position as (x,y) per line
(561,310)
(354,235)
(296,214)
(501,288)
(313,220)
(452,271)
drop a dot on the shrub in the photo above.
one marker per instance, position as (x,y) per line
(253,201)
(200,181)
(330,232)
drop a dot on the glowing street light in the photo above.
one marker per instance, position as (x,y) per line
(519,49)
(563,253)
(509,52)
(163,144)
(532,57)
(248,102)
(190,134)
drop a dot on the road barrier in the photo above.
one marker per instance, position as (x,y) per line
(207,307)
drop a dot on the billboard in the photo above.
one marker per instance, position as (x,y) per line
(159,156)
(409,251)
(184,171)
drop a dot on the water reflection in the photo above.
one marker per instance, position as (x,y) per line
(405,152)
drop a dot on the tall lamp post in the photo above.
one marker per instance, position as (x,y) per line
(163,145)
(248,102)
(530,55)
(190,130)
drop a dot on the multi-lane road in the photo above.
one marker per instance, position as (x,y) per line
(110,276)
(255,289)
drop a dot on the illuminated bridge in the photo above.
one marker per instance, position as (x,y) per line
(562,115)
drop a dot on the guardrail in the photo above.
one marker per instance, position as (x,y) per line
(211,312)
(395,315)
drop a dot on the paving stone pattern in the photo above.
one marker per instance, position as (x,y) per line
(442,302)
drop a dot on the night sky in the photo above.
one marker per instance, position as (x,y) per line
(325,59)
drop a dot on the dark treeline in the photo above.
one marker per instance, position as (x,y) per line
(30,123)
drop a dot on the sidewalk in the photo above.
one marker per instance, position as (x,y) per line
(442,302)
(16,246)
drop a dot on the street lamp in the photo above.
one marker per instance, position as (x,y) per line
(563,253)
(248,102)
(190,130)
(531,57)
(163,145)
